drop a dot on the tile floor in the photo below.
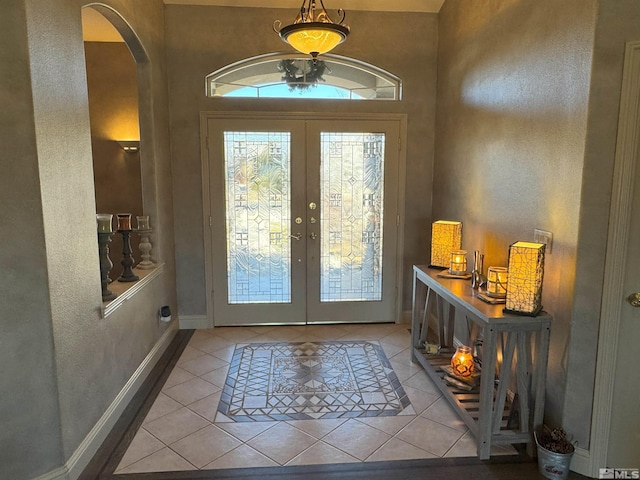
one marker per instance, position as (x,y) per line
(180,431)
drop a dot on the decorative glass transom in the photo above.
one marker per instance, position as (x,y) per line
(294,76)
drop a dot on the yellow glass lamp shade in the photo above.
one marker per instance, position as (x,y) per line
(446,236)
(314,38)
(462,362)
(458,264)
(497,282)
(526,269)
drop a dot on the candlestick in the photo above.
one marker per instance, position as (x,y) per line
(105,265)
(145,250)
(127,259)
(143,222)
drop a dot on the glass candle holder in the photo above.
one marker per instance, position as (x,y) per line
(458,264)
(462,362)
(104,222)
(124,221)
(497,282)
(143,222)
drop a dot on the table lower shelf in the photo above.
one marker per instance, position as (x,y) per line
(467,403)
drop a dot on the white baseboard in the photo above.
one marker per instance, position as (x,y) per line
(189,322)
(89,446)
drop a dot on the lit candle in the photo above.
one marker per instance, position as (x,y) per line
(462,361)
(497,282)
(104,222)
(458,262)
(124,221)
(143,222)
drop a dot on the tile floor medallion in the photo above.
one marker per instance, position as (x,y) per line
(310,380)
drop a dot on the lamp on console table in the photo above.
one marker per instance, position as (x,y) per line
(446,236)
(525,271)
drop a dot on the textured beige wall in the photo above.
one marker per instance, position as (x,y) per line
(63,365)
(513,91)
(203,39)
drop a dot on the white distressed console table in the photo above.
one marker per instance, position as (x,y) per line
(509,404)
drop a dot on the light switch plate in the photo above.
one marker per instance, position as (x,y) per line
(542,236)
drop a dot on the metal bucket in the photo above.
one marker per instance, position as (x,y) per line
(552,465)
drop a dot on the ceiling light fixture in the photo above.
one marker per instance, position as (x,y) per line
(313,32)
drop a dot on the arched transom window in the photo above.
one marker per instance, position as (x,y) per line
(294,76)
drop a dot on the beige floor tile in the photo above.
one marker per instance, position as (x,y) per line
(282,442)
(421,381)
(430,436)
(356,439)
(404,371)
(440,411)
(401,338)
(217,377)
(191,391)
(467,446)
(325,332)
(177,375)
(419,400)
(204,446)
(282,334)
(396,449)
(176,425)
(245,431)
(242,457)
(211,343)
(165,460)
(189,353)
(321,454)
(317,428)
(161,406)
(142,445)
(391,349)
(390,425)
(204,364)
(225,354)
(239,335)
(207,407)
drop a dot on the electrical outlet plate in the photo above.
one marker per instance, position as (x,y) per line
(542,236)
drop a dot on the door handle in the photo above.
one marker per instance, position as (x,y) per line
(313,236)
(634,299)
(297,236)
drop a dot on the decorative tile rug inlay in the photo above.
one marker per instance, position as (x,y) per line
(304,381)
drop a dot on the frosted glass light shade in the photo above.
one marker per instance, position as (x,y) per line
(314,38)
(497,282)
(446,236)
(526,269)
(458,265)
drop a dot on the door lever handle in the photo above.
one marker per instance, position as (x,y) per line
(297,236)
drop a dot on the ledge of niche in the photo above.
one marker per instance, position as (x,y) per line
(127,290)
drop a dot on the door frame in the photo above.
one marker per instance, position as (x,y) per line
(207,214)
(627,149)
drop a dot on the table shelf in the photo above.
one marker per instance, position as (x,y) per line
(493,414)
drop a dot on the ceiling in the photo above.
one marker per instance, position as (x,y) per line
(96,28)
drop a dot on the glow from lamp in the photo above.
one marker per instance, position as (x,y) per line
(526,269)
(313,33)
(446,236)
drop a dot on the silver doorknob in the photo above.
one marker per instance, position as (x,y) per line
(313,236)
(297,236)
(634,299)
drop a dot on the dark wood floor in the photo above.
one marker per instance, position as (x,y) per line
(108,457)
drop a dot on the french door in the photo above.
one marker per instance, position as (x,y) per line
(304,220)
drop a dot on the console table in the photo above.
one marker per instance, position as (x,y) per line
(509,403)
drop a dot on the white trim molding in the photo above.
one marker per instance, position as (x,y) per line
(89,446)
(189,322)
(620,216)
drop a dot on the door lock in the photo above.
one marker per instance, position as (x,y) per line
(298,220)
(312,206)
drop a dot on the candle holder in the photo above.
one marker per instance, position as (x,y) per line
(458,264)
(124,228)
(104,238)
(145,249)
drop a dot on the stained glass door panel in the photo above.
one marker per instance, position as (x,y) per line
(258,215)
(352,193)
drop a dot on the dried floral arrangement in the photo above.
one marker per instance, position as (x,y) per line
(554,439)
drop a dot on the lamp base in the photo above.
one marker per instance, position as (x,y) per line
(437,267)
(491,300)
(524,314)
